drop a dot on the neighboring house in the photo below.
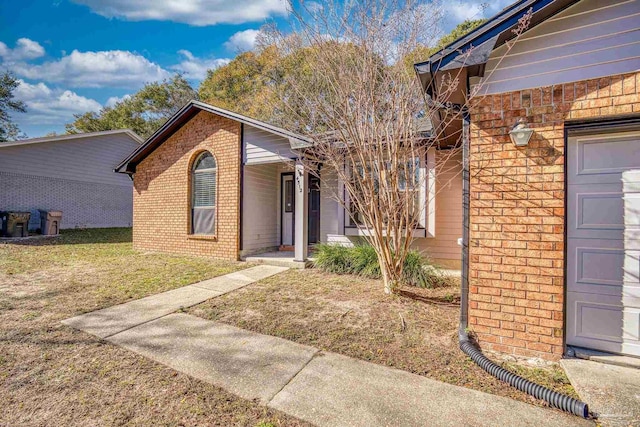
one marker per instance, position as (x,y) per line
(554,227)
(69,173)
(216,183)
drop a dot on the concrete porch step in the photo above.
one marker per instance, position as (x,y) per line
(280,259)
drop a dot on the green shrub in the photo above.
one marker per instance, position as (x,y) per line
(362,260)
(332,258)
(414,272)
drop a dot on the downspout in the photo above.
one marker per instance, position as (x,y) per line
(553,398)
(464,286)
(241,195)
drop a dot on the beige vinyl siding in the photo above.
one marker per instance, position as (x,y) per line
(591,39)
(444,246)
(264,147)
(90,159)
(261,198)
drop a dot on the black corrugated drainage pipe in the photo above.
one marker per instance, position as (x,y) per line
(555,399)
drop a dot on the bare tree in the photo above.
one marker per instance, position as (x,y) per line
(354,94)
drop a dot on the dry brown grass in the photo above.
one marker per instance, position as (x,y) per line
(352,316)
(52,375)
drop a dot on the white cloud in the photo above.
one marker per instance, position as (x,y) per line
(50,106)
(113,68)
(25,49)
(456,11)
(242,41)
(193,68)
(113,100)
(192,12)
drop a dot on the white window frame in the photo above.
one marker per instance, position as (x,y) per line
(426,198)
(193,172)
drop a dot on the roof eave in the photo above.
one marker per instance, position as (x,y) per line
(129,164)
(69,137)
(488,36)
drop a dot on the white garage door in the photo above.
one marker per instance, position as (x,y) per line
(603,242)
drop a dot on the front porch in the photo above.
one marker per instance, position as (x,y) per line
(280,213)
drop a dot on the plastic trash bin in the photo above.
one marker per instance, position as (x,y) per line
(15,224)
(50,222)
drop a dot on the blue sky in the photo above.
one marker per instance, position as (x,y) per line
(73,56)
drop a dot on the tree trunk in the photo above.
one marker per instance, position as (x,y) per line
(390,277)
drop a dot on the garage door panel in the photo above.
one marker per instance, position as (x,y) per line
(631,318)
(631,181)
(602,158)
(630,347)
(587,272)
(596,211)
(603,242)
(631,326)
(631,268)
(597,321)
(631,213)
(631,296)
(632,238)
(603,318)
(599,266)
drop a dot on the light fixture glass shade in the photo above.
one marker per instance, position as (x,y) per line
(521,134)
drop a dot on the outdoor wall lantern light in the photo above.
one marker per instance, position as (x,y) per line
(521,133)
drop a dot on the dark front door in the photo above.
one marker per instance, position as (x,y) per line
(314,209)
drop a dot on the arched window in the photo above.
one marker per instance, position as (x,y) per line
(203,194)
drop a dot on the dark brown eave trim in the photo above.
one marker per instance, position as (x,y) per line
(185,114)
(486,38)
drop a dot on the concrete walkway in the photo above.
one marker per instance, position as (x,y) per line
(109,321)
(613,392)
(325,389)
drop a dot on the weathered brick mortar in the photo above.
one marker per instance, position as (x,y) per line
(517,210)
(161,194)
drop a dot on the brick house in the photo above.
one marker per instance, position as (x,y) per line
(553,241)
(69,173)
(215,183)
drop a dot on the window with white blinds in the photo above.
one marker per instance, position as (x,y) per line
(204,191)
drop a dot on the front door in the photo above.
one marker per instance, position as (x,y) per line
(314,209)
(603,242)
(288,207)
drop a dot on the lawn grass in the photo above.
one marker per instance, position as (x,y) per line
(51,374)
(415,331)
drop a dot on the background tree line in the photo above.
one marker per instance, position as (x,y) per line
(244,85)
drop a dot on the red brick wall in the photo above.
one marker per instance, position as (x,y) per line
(517,210)
(161,195)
